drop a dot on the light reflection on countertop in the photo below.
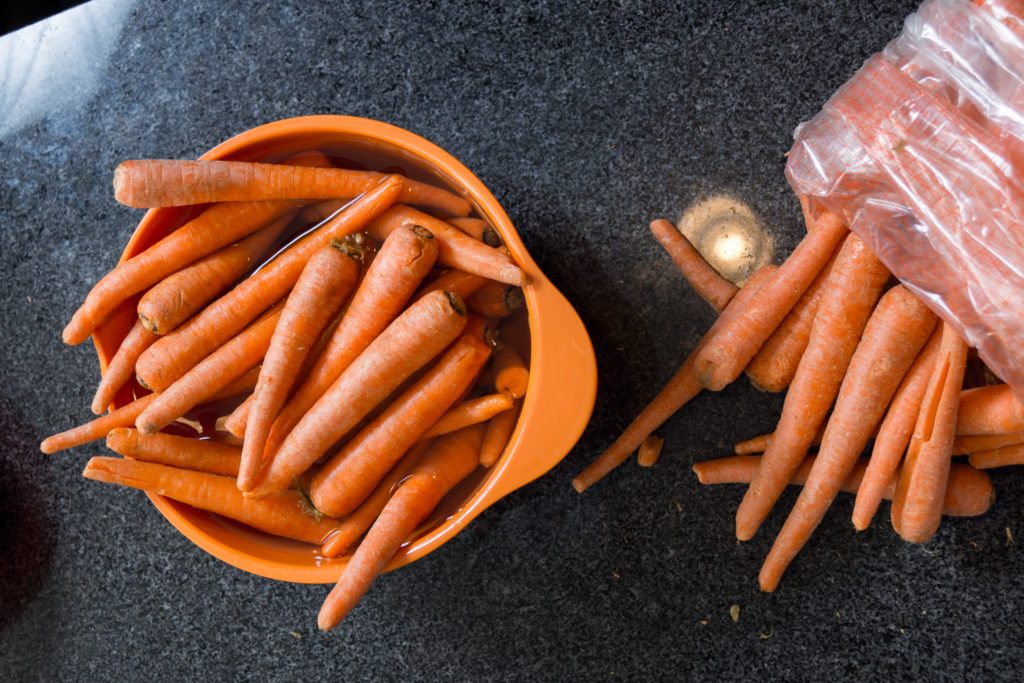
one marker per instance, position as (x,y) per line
(729,235)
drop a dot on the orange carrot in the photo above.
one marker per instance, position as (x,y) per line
(408,343)
(324,285)
(202,455)
(509,371)
(499,430)
(757,444)
(285,514)
(355,470)
(173,355)
(244,384)
(122,366)
(892,338)
(704,279)
(975,443)
(1001,456)
(98,428)
(450,460)
(456,281)
(853,287)
(164,182)
(477,228)
(469,412)
(496,300)
(894,433)
(989,410)
(917,505)
(649,451)
(178,296)
(680,389)
(723,359)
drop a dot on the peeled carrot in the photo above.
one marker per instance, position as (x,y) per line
(649,451)
(450,460)
(98,428)
(469,412)
(892,338)
(989,410)
(496,300)
(173,355)
(202,455)
(723,359)
(410,342)
(509,371)
(853,287)
(355,470)
(286,514)
(975,443)
(477,228)
(149,183)
(680,389)
(1001,456)
(704,279)
(122,366)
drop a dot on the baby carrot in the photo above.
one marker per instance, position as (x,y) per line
(469,412)
(122,366)
(989,410)
(496,300)
(285,514)
(450,460)
(203,455)
(975,443)
(98,428)
(477,228)
(649,451)
(148,183)
(509,372)
(456,281)
(704,279)
(496,435)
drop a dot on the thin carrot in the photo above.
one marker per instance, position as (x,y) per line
(98,428)
(450,460)
(680,389)
(149,183)
(354,471)
(897,329)
(202,455)
(975,443)
(704,279)
(496,435)
(415,337)
(853,287)
(477,228)
(324,285)
(173,355)
(456,281)
(286,514)
(723,359)
(989,410)
(122,366)
(757,444)
(469,412)
(1001,456)
(509,371)
(496,300)
(649,451)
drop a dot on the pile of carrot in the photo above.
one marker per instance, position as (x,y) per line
(866,366)
(349,344)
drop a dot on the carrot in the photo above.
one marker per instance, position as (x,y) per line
(244,384)
(989,410)
(450,460)
(410,342)
(469,412)
(173,355)
(498,432)
(894,433)
(704,279)
(323,286)
(680,389)
(917,505)
(148,183)
(456,281)
(122,366)
(968,494)
(286,514)
(649,451)
(354,471)
(509,371)
(1001,456)
(477,228)
(853,287)
(758,444)
(496,300)
(723,359)
(98,428)
(456,249)
(975,443)
(897,329)
(202,455)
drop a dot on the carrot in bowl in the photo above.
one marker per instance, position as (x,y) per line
(469,412)
(122,366)
(496,300)
(203,455)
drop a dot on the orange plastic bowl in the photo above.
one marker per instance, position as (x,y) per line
(563,372)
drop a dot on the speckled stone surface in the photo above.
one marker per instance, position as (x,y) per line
(587,120)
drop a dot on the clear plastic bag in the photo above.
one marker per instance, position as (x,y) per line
(922,154)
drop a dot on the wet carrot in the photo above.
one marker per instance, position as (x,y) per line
(704,279)
(122,366)
(469,412)
(509,371)
(477,228)
(989,410)
(496,300)
(498,432)
(202,455)
(649,451)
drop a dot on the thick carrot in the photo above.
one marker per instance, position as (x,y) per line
(975,443)
(324,285)
(680,389)
(450,460)
(456,249)
(178,296)
(1001,456)
(415,337)
(98,428)
(704,279)
(853,287)
(285,514)
(452,280)
(897,329)
(894,433)
(149,183)
(477,228)
(173,355)
(122,366)
(469,412)
(509,371)
(723,359)
(650,451)
(989,410)
(917,505)
(496,300)
(355,470)
(202,455)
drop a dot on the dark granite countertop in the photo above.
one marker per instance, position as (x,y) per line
(587,120)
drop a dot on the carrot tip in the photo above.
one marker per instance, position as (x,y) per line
(579,485)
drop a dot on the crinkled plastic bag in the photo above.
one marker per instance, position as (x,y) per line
(922,154)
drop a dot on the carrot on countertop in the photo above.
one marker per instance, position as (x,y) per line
(897,329)
(1001,456)
(447,462)
(202,455)
(469,412)
(650,451)
(149,183)
(704,279)
(173,355)
(121,368)
(975,443)
(508,369)
(680,389)
(853,287)
(496,300)
(497,433)
(477,228)
(989,410)
(324,285)
(285,514)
